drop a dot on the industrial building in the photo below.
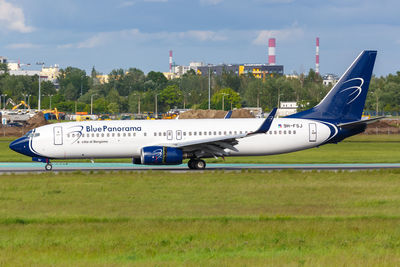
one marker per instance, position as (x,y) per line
(257,70)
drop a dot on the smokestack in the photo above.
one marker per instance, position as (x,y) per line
(170,61)
(271,51)
(317,56)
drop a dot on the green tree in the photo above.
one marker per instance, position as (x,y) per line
(170,97)
(230,98)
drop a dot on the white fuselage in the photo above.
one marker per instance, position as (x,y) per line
(125,139)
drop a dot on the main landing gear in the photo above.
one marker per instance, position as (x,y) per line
(196,164)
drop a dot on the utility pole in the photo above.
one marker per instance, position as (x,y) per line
(50,101)
(91,104)
(40,73)
(209,87)
(156,106)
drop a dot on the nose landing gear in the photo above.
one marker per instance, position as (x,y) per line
(48,167)
(196,164)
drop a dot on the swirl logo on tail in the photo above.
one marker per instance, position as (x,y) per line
(357,89)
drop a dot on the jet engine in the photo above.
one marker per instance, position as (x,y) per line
(161,155)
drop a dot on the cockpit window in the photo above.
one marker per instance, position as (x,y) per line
(31,134)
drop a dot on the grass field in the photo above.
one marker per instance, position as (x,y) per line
(358,149)
(247,218)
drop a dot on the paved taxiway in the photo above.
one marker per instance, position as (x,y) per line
(11,167)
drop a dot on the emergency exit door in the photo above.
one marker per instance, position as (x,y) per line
(313,132)
(58,137)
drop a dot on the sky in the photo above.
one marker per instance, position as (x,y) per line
(140,33)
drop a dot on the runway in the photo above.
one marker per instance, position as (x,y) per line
(13,167)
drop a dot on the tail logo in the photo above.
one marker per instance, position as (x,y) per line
(357,89)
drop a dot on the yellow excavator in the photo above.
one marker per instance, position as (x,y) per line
(15,106)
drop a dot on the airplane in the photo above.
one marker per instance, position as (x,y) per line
(169,142)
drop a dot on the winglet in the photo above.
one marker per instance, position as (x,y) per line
(228,115)
(267,123)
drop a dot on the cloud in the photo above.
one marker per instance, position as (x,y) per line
(135,35)
(132,3)
(126,4)
(281,35)
(22,46)
(210,2)
(12,18)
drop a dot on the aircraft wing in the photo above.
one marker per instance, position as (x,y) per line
(216,145)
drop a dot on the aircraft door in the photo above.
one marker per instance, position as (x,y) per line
(58,137)
(313,132)
(178,135)
(169,135)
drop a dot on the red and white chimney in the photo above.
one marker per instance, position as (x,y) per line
(271,51)
(170,61)
(317,56)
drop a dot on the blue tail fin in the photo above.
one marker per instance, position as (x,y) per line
(345,101)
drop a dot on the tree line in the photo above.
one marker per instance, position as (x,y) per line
(133,91)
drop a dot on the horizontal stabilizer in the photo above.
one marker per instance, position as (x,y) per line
(357,123)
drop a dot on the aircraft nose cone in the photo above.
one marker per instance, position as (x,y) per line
(21,145)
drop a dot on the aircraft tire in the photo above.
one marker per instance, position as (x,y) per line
(191,164)
(199,164)
(48,167)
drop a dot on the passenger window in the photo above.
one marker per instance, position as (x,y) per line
(155,134)
(134,134)
(102,135)
(280,132)
(275,132)
(118,134)
(124,134)
(294,131)
(184,133)
(145,134)
(92,134)
(199,133)
(290,132)
(209,133)
(73,135)
(230,132)
(215,133)
(240,132)
(219,133)
(113,134)
(190,133)
(194,133)
(284,132)
(108,134)
(235,133)
(164,134)
(205,133)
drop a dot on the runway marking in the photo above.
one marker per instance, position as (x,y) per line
(71,166)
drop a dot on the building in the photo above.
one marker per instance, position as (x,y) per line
(330,79)
(103,79)
(3,60)
(257,70)
(51,73)
(286,108)
(179,70)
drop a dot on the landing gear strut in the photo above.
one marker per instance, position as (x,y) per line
(196,164)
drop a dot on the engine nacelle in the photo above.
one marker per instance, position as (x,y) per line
(161,155)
